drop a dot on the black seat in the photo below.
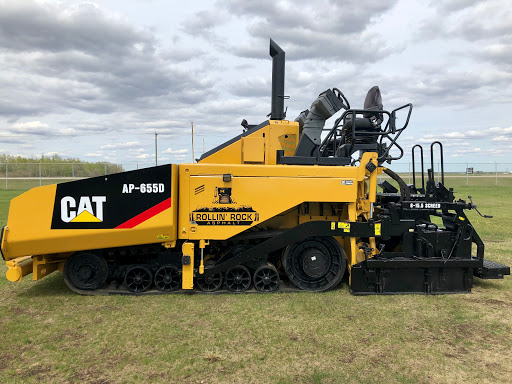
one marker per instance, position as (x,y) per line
(370,122)
(373,101)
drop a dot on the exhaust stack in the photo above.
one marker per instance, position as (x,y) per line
(278,59)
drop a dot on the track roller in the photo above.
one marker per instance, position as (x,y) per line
(168,278)
(266,278)
(238,279)
(138,279)
(210,283)
(85,271)
(315,264)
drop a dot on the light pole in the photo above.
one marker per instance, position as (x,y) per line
(192,125)
(156,149)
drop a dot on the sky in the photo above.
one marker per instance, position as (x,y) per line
(96,80)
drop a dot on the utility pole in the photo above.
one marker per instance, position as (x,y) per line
(156,149)
(192,124)
(496,170)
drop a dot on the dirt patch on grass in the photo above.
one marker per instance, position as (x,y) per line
(109,308)
(38,370)
(90,375)
(213,358)
(493,302)
(20,311)
(346,359)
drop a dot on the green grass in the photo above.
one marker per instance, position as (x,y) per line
(22,184)
(5,198)
(50,334)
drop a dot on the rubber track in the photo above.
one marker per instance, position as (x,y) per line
(115,289)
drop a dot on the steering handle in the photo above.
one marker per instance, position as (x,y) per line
(344,102)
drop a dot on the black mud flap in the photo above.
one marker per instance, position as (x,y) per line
(419,276)
(492,270)
(1,238)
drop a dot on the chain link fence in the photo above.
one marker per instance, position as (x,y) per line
(22,176)
(28,175)
(458,174)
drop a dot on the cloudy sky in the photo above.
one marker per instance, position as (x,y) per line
(96,80)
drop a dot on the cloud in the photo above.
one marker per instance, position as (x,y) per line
(493,133)
(308,29)
(444,84)
(59,58)
(467,19)
(129,144)
(39,129)
(136,150)
(169,150)
(30,125)
(251,87)
(54,153)
(323,15)
(161,124)
(487,23)
(203,23)
(181,54)
(240,106)
(502,139)
(451,5)
(38,26)
(483,20)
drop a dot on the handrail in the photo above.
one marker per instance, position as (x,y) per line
(432,158)
(389,129)
(414,169)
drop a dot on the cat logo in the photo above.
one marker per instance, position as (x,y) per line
(89,210)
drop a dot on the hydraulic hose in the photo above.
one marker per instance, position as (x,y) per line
(405,193)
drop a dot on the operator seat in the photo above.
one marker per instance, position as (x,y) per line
(372,102)
(370,122)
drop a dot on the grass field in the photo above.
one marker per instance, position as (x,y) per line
(50,334)
(24,183)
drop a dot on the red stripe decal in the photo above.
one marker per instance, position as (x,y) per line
(146,215)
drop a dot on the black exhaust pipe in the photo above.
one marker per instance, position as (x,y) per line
(277,54)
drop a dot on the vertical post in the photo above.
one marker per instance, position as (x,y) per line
(105,168)
(40,181)
(156,149)
(73,170)
(6,165)
(192,124)
(467,175)
(137,165)
(496,170)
